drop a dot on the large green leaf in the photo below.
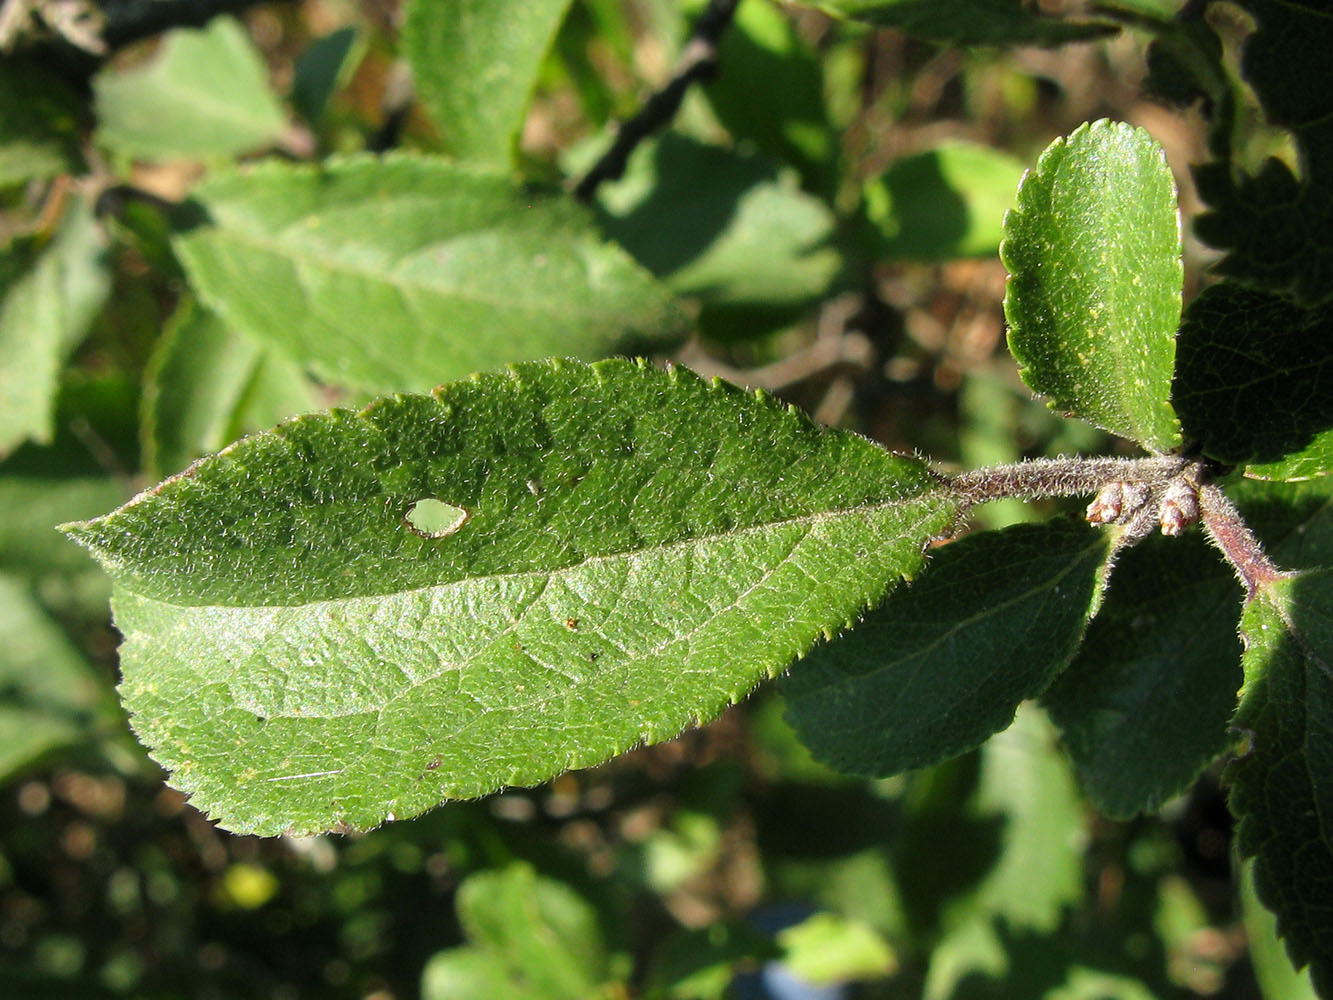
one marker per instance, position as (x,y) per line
(207,385)
(1145,705)
(1282,780)
(1254,384)
(401,273)
(45,312)
(632,551)
(941,666)
(205,93)
(475,63)
(1093,301)
(968,22)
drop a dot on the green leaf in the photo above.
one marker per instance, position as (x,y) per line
(475,63)
(1295,520)
(1009,821)
(762,52)
(941,666)
(1093,300)
(205,93)
(401,273)
(46,311)
(530,938)
(1277,979)
(49,695)
(701,964)
(1276,223)
(1144,706)
(323,68)
(968,22)
(1026,780)
(1282,779)
(726,228)
(31,507)
(1254,382)
(943,203)
(206,386)
(641,549)
(828,948)
(39,123)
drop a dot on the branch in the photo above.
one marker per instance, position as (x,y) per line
(1065,477)
(698,61)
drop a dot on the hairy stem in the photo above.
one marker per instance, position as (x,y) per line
(1063,477)
(697,61)
(1229,532)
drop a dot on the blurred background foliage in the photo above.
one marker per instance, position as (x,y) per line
(828,206)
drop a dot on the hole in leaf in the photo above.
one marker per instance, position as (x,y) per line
(431,518)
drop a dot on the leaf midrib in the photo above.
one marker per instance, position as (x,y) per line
(810,520)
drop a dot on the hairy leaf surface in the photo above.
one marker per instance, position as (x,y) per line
(474,63)
(941,666)
(1280,780)
(401,273)
(1093,302)
(637,550)
(1254,385)
(205,93)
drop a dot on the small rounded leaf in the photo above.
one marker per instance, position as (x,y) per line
(1093,302)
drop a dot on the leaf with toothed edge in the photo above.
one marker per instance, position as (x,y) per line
(1092,245)
(1282,781)
(640,548)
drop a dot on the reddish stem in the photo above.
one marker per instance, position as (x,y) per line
(1229,532)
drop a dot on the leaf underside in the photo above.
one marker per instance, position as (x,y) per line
(640,549)
(1093,301)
